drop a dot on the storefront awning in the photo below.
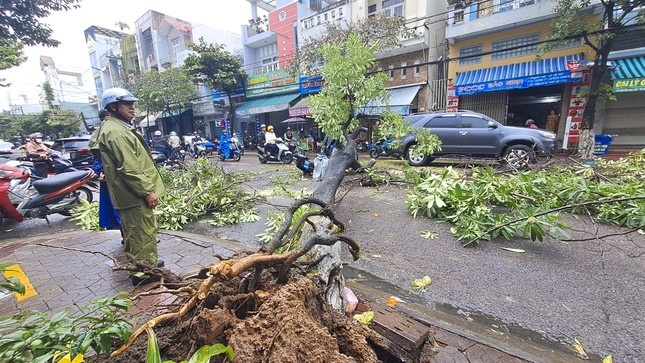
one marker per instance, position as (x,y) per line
(543,72)
(301,108)
(628,68)
(400,101)
(266,104)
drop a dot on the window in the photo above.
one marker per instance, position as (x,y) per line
(442,121)
(340,12)
(318,20)
(458,16)
(470,55)
(473,122)
(370,9)
(393,7)
(333,14)
(391,72)
(325,16)
(417,68)
(515,47)
(404,70)
(176,47)
(569,43)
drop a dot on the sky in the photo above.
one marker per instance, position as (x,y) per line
(68,28)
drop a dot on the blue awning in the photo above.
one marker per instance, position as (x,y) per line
(628,68)
(400,101)
(543,72)
(266,104)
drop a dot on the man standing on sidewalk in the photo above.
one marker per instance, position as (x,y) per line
(134,182)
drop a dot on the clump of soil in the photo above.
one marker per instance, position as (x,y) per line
(276,323)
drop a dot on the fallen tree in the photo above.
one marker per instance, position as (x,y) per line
(281,302)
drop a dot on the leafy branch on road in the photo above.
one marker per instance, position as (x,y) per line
(202,189)
(489,205)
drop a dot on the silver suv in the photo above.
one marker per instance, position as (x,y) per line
(468,133)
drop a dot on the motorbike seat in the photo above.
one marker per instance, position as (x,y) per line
(56,182)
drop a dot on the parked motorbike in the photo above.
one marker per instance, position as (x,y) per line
(54,163)
(303,163)
(24,196)
(233,152)
(283,155)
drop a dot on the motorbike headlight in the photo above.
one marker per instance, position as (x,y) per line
(547,134)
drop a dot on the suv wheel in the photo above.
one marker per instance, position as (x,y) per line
(518,156)
(416,158)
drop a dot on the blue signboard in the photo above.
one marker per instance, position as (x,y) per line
(309,85)
(520,82)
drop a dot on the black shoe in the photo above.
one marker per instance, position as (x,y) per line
(160,263)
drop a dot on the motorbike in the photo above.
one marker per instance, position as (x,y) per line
(25,196)
(361,144)
(283,155)
(54,163)
(233,152)
(238,145)
(379,149)
(303,163)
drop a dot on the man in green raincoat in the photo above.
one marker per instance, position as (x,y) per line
(134,182)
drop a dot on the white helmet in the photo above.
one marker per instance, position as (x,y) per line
(113,95)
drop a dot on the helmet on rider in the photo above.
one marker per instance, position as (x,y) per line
(172,133)
(263,126)
(270,128)
(116,94)
(530,122)
(157,133)
(36,135)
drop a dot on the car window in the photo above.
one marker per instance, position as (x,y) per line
(70,144)
(473,122)
(413,119)
(442,121)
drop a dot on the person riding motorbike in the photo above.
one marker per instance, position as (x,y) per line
(160,144)
(194,141)
(270,141)
(290,139)
(262,137)
(175,145)
(224,146)
(35,147)
(38,153)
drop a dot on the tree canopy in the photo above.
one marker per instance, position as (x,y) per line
(217,68)
(164,91)
(21,25)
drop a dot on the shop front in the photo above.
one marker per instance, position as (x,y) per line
(513,93)
(625,116)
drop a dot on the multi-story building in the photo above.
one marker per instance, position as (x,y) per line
(416,73)
(494,66)
(104,48)
(69,92)
(414,68)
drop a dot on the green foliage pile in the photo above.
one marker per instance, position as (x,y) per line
(10,284)
(32,336)
(488,205)
(201,189)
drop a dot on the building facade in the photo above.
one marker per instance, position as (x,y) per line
(106,61)
(496,66)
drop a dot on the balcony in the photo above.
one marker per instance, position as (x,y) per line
(483,17)
(254,39)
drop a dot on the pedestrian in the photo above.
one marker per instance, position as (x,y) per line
(552,121)
(135,184)
(108,215)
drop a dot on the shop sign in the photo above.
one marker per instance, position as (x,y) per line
(521,82)
(452,101)
(629,85)
(310,85)
(203,108)
(272,83)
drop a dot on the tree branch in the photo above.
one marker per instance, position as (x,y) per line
(565,207)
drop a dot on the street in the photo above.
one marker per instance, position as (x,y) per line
(592,290)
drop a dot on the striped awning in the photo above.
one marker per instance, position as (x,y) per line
(628,68)
(543,72)
(266,104)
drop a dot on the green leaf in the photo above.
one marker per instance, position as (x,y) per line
(204,354)
(153,355)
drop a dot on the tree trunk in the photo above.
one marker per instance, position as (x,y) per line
(329,269)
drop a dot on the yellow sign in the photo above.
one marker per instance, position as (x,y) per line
(629,85)
(17,272)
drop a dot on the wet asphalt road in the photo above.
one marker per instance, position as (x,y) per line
(593,290)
